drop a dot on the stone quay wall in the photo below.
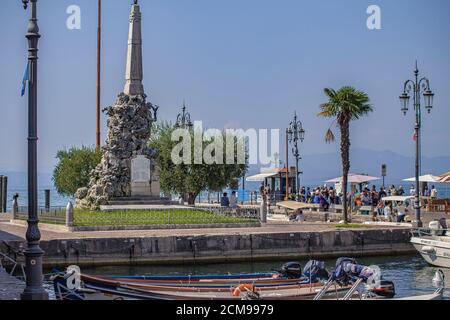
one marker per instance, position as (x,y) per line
(225,248)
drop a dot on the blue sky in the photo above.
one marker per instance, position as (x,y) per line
(246,64)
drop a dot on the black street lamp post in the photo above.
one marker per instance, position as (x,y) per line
(184,118)
(417,87)
(34,289)
(295,133)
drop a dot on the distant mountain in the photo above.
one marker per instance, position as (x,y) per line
(322,167)
(318,168)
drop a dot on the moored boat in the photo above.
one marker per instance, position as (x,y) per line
(433,243)
(289,282)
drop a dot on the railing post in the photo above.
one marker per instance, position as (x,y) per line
(47,200)
(69,215)
(1,194)
(15,206)
(263,209)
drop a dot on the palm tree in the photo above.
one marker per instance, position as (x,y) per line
(344,105)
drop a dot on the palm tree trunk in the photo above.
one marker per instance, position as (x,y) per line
(345,155)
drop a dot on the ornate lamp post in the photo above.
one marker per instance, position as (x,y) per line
(296,133)
(184,118)
(33,254)
(417,87)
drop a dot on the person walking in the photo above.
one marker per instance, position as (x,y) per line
(233,200)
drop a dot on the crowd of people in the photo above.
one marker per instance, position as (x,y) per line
(367,197)
(325,197)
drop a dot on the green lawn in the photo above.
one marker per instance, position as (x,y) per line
(83,218)
(350,226)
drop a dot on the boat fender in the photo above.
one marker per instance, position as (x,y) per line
(428,249)
(242,288)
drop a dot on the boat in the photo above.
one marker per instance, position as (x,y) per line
(102,289)
(288,283)
(289,274)
(433,243)
(368,284)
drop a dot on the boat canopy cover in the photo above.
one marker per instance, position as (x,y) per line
(397,198)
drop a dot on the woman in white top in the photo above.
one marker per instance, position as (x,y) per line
(387,212)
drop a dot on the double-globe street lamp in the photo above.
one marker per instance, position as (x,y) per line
(34,289)
(295,133)
(417,87)
(184,118)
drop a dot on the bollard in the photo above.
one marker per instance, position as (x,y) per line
(263,210)
(15,206)
(5,193)
(47,200)
(1,194)
(69,215)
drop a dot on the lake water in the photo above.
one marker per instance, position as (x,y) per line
(411,274)
(56,200)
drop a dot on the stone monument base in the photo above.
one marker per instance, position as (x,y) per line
(141,189)
(141,200)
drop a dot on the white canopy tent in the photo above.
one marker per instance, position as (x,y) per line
(261,177)
(354,178)
(424,178)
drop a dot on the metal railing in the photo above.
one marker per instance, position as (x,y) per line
(208,215)
(419,232)
(53,215)
(6,260)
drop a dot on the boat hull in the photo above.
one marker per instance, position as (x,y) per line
(435,251)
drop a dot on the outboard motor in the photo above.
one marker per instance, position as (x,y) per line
(341,260)
(385,289)
(443,223)
(291,270)
(348,271)
(315,270)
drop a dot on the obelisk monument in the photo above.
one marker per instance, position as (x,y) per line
(133,73)
(127,167)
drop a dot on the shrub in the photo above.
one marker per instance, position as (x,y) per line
(73,169)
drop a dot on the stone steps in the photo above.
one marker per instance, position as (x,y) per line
(139,198)
(140,201)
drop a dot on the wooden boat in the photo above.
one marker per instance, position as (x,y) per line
(97,288)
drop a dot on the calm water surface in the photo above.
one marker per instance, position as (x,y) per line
(411,274)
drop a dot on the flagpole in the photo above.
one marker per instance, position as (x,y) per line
(99,38)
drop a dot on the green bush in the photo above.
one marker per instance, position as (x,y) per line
(73,169)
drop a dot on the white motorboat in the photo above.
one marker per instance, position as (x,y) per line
(433,243)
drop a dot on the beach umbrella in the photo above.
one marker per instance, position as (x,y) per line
(424,178)
(354,178)
(444,178)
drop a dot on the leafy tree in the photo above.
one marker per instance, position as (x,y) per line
(73,169)
(188,178)
(344,105)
